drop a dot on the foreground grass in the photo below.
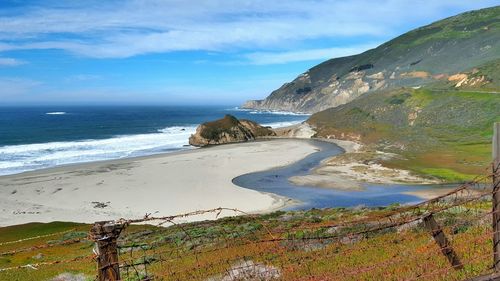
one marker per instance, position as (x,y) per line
(299,245)
(49,254)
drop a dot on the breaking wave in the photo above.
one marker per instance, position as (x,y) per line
(56,113)
(27,157)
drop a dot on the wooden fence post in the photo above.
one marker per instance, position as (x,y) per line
(496,197)
(442,241)
(105,234)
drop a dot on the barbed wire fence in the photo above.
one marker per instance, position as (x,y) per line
(215,251)
(450,237)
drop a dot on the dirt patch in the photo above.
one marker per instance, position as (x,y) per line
(457,77)
(415,74)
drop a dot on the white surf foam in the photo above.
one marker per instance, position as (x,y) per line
(21,158)
(275,112)
(56,113)
(283,124)
(279,113)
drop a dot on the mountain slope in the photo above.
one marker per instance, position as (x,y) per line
(426,55)
(442,129)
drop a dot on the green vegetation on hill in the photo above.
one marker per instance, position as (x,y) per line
(215,128)
(444,133)
(491,71)
(228,130)
(227,125)
(465,25)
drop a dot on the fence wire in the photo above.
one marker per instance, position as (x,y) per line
(365,245)
(331,244)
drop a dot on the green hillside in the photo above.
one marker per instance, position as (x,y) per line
(440,129)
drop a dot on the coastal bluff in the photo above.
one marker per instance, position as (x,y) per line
(228,130)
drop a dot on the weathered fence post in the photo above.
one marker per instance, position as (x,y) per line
(496,197)
(442,241)
(105,235)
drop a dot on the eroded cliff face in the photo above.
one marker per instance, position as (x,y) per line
(309,97)
(430,54)
(228,130)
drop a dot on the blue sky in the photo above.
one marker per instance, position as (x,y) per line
(188,51)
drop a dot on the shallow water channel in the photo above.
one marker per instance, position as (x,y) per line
(276,181)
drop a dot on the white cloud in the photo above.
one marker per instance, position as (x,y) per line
(263,58)
(127,28)
(11,62)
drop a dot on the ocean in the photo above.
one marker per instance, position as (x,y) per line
(33,138)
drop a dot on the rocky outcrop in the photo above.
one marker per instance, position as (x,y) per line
(301,131)
(304,95)
(416,58)
(228,130)
(252,104)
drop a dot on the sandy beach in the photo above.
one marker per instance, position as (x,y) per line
(166,184)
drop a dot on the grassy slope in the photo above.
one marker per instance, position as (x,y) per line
(465,25)
(440,131)
(57,252)
(233,237)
